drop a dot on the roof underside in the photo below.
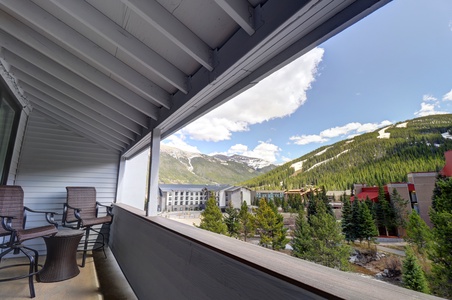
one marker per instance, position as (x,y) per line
(114,70)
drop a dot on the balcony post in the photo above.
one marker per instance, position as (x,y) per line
(153,184)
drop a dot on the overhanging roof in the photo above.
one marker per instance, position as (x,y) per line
(115,70)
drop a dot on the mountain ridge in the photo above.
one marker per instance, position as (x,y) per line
(183,167)
(385,155)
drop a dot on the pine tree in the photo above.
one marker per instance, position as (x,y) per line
(412,274)
(270,227)
(247,221)
(302,240)
(325,245)
(356,233)
(418,234)
(441,254)
(400,209)
(231,219)
(384,211)
(347,220)
(368,230)
(212,218)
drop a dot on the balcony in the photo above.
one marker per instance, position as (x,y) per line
(164,259)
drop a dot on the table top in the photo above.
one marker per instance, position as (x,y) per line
(62,233)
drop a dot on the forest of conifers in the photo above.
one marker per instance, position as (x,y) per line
(418,147)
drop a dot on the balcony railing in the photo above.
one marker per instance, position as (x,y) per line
(165,259)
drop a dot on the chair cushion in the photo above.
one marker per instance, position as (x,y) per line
(96,221)
(27,234)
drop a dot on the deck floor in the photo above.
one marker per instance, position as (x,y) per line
(100,279)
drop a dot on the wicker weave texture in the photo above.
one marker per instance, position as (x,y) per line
(12,204)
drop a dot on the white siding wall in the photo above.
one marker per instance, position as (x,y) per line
(52,158)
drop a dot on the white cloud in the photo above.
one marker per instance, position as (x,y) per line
(177,141)
(448,96)
(350,129)
(276,96)
(265,151)
(428,98)
(428,109)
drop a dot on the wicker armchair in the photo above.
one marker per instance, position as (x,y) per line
(13,218)
(80,211)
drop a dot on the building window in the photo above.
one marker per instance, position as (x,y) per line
(9,122)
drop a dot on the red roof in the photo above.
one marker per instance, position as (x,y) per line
(372,196)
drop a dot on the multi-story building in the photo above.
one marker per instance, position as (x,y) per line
(187,197)
(237,195)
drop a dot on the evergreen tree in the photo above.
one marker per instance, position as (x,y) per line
(368,231)
(247,221)
(441,254)
(400,209)
(418,234)
(326,244)
(302,243)
(356,233)
(384,211)
(412,274)
(347,220)
(231,219)
(270,227)
(212,218)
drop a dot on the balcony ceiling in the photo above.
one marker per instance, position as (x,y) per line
(113,70)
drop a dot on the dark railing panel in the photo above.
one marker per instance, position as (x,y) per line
(164,259)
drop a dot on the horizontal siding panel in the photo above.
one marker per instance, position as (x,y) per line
(53,158)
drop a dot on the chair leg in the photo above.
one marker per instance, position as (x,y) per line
(31,272)
(85,248)
(36,258)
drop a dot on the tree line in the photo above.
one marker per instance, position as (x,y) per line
(419,147)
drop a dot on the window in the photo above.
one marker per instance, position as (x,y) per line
(9,121)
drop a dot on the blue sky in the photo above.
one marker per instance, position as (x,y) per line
(391,66)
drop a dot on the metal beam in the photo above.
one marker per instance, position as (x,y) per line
(157,16)
(241,12)
(75,42)
(72,123)
(55,106)
(15,30)
(57,89)
(125,41)
(17,53)
(76,108)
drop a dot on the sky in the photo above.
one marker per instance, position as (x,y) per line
(393,65)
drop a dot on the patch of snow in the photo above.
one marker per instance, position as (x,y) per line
(446,135)
(321,152)
(402,125)
(327,160)
(298,165)
(347,142)
(383,134)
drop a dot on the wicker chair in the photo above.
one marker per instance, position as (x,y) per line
(80,211)
(13,218)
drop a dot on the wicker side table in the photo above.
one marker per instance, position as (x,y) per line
(61,261)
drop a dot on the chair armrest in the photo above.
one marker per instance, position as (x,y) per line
(76,211)
(108,207)
(49,215)
(6,222)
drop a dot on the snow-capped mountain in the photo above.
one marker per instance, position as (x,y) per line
(178,166)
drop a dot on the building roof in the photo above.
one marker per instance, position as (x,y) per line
(192,187)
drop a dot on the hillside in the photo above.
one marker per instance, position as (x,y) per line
(177,166)
(383,156)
